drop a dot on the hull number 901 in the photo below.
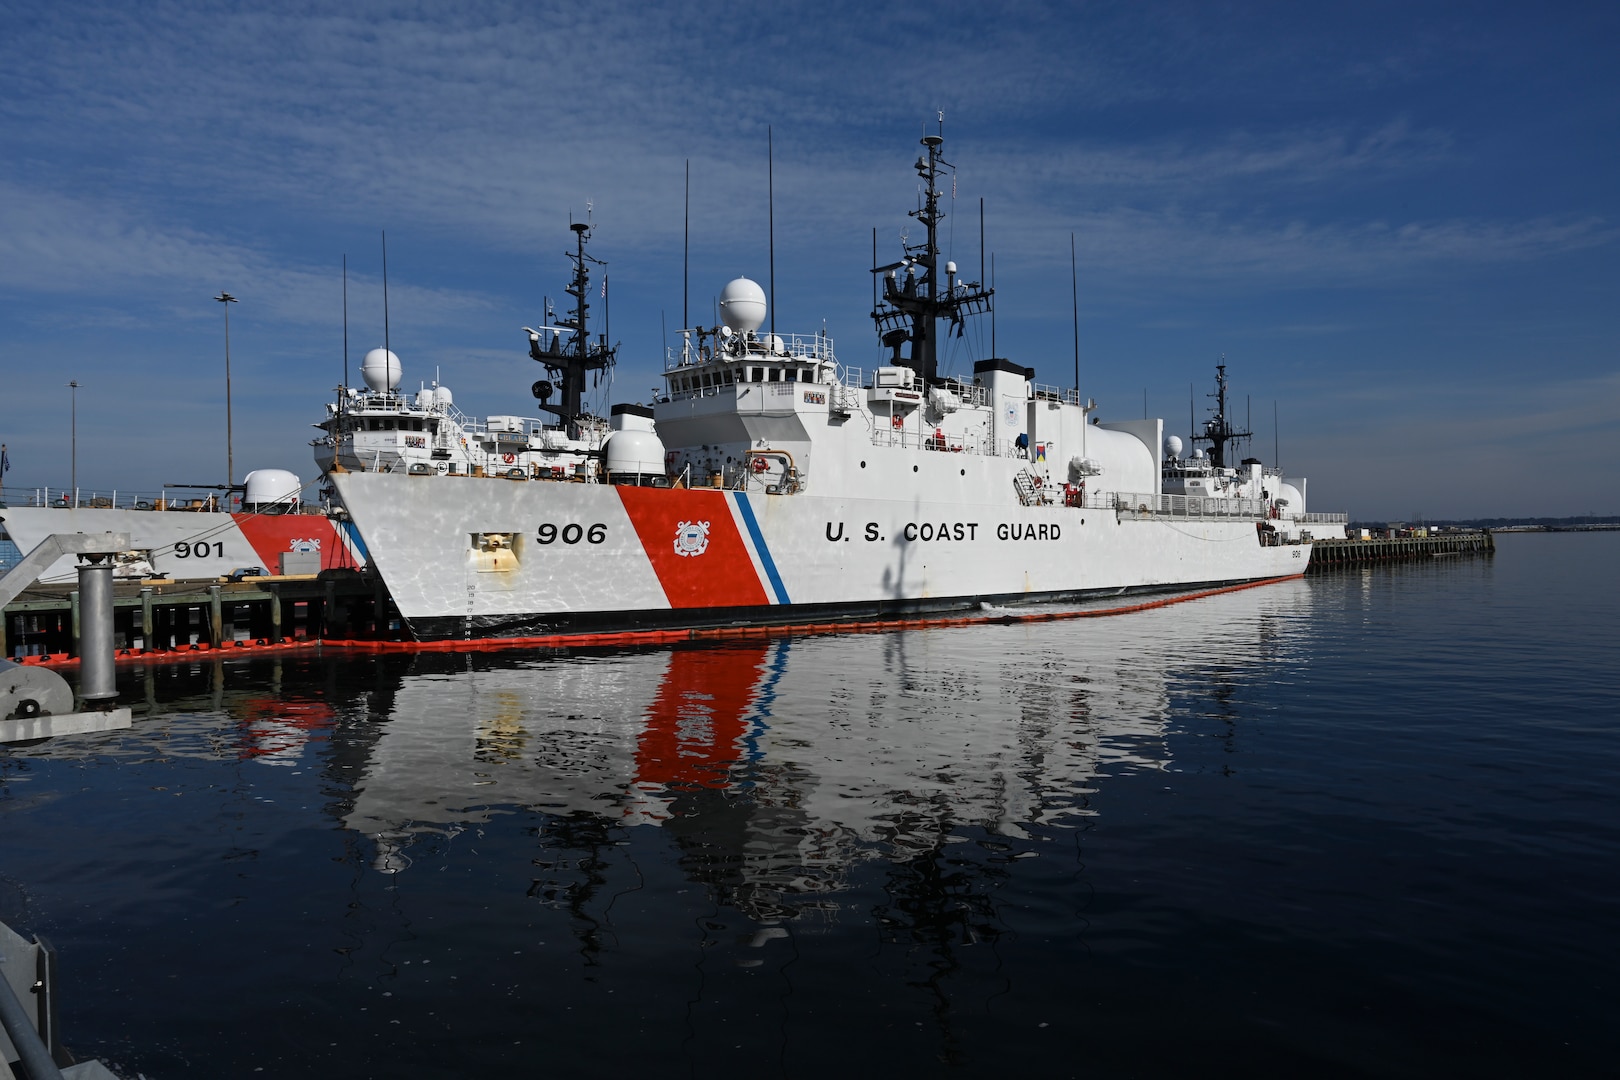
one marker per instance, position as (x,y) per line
(573,533)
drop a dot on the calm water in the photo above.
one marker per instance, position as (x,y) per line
(1362,825)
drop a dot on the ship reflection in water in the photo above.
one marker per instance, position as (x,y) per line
(1246,834)
(788,762)
(824,830)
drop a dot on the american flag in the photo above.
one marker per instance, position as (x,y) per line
(604,286)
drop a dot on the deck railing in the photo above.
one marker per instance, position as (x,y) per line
(1188,506)
(178,499)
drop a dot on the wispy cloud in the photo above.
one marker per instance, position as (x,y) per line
(54,243)
(1308,170)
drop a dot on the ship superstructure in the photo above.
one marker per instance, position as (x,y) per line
(769,482)
(381,428)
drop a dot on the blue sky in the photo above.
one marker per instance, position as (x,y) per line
(1400,223)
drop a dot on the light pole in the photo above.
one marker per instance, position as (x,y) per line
(73,453)
(230,459)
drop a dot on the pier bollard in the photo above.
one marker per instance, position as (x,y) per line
(216,618)
(97,680)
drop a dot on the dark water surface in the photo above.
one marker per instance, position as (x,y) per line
(1361,825)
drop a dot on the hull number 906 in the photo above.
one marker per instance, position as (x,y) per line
(573,533)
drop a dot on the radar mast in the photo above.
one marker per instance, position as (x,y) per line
(910,308)
(570,359)
(1218,430)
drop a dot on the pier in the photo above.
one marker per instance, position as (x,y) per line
(155,617)
(1335,554)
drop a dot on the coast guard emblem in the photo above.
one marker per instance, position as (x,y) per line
(691,538)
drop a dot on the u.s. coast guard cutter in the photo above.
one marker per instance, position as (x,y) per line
(769,483)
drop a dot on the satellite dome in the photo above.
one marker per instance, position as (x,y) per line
(443,396)
(742,303)
(380,369)
(271,487)
(1172,446)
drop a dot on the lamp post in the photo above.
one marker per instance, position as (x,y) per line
(73,452)
(230,459)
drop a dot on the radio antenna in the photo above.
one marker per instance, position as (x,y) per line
(981,237)
(770,188)
(874,263)
(1074,288)
(388,348)
(345,320)
(686,251)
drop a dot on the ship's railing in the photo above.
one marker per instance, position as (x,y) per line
(1042,392)
(816,347)
(388,401)
(178,499)
(854,378)
(527,425)
(1188,506)
(885,435)
(115,499)
(1324,519)
(969,393)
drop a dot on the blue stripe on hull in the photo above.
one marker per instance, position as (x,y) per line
(765,559)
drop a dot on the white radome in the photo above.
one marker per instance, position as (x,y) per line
(380,369)
(270,487)
(742,305)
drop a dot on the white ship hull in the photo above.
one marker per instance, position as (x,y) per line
(187,545)
(478,557)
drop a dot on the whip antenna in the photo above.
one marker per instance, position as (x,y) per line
(770,189)
(389,349)
(686,250)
